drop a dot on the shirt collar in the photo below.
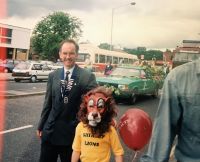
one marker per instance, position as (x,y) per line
(70,70)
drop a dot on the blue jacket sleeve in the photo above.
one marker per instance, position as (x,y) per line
(166,123)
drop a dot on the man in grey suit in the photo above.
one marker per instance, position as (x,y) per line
(58,121)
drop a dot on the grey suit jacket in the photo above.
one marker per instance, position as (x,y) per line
(58,120)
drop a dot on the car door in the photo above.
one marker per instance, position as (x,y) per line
(36,70)
(149,85)
(138,81)
(144,81)
(44,73)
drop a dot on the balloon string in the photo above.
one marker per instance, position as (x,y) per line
(135,156)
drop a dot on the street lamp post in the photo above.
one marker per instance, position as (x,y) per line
(113,9)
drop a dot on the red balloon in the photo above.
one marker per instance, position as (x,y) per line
(135,128)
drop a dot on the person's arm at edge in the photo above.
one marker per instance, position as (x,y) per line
(116,145)
(46,106)
(119,158)
(165,124)
(75,156)
(76,146)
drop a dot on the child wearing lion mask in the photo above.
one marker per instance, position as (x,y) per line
(95,134)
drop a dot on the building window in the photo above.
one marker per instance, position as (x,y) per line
(81,57)
(130,61)
(126,61)
(96,58)
(5,32)
(115,60)
(5,40)
(5,35)
(109,59)
(102,59)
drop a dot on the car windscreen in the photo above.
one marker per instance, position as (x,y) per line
(126,72)
(22,66)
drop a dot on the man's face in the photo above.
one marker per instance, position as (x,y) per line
(68,54)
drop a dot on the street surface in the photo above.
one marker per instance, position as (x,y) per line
(21,117)
(24,85)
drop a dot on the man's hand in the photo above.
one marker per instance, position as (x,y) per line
(39,133)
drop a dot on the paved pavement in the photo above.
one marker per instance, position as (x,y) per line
(17,93)
(6,76)
(29,92)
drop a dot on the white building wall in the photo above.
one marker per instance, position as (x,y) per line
(20,37)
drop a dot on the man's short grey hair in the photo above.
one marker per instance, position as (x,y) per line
(69,41)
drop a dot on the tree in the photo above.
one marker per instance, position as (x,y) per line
(51,30)
(153,54)
(148,55)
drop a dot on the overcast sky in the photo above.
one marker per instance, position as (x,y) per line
(150,23)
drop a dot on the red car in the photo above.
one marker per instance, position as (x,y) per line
(8,65)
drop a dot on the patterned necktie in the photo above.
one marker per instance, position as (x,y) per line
(67,76)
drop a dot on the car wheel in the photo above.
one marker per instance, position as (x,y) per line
(17,80)
(134,96)
(33,79)
(155,94)
(133,99)
(5,70)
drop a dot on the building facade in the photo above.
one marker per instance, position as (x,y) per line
(190,51)
(16,41)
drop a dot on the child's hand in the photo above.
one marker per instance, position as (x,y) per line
(119,158)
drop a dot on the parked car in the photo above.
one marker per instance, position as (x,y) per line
(32,71)
(46,62)
(8,65)
(56,65)
(129,82)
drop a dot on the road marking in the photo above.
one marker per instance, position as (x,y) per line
(16,129)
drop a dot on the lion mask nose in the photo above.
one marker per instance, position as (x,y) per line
(94,118)
(95,115)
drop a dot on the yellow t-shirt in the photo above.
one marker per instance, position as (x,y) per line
(95,149)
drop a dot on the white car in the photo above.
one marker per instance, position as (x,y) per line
(56,65)
(32,71)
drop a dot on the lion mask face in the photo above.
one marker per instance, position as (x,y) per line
(96,106)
